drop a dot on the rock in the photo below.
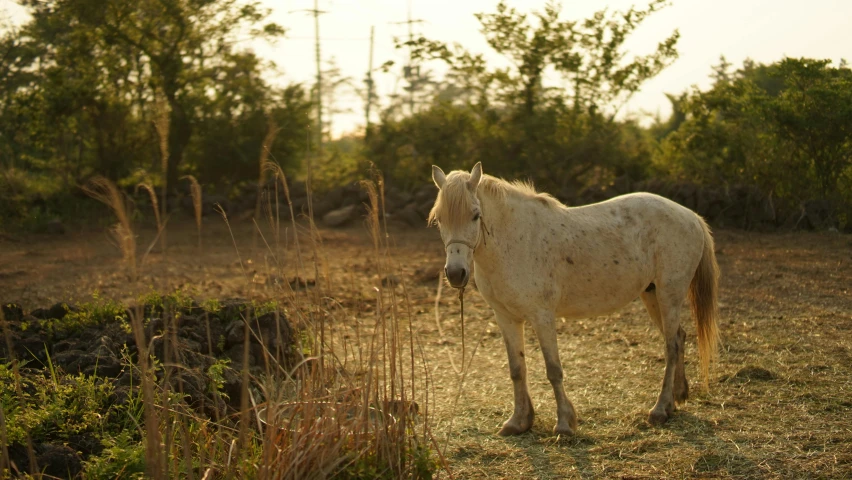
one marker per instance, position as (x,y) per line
(297,190)
(351,194)
(27,341)
(300,207)
(817,215)
(12,312)
(298,283)
(59,461)
(274,331)
(72,361)
(684,194)
(750,373)
(233,383)
(210,205)
(235,354)
(621,185)
(428,273)
(426,193)
(323,206)
(396,199)
(54,227)
(59,310)
(339,217)
(410,215)
(85,443)
(333,197)
(424,208)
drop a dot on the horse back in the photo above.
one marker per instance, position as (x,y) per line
(617,248)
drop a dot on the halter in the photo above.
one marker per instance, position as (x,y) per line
(480,237)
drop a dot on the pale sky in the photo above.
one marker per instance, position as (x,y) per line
(764,30)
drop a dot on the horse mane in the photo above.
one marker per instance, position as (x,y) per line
(453,202)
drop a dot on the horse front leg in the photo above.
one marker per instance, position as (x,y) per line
(545,329)
(513,336)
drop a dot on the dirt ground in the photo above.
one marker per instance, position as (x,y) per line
(780,397)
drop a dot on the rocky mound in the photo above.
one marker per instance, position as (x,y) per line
(77,353)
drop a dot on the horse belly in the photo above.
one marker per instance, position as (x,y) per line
(586,307)
(601,294)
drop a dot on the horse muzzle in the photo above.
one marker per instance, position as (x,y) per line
(457,276)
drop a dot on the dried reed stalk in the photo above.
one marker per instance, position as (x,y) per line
(153,195)
(104,191)
(154,455)
(268,140)
(279,173)
(195,192)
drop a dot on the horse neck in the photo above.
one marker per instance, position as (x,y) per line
(510,217)
(503,216)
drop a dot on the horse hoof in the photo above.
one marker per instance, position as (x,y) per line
(510,428)
(657,418)
(681,393)
(563,430)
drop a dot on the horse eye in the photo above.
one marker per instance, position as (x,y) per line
(476,216)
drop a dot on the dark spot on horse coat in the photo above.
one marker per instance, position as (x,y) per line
(615,262)
(521,354)
(568,259)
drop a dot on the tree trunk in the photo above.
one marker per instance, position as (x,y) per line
(180,132)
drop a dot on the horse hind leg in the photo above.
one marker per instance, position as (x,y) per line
(675,388)
(681,385)
(523,415)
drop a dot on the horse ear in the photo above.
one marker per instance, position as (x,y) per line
(438,176)
(475,177)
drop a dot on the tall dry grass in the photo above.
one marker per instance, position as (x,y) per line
(105,191)
(265,148)
(195,192)
(334,404)
(349,398)
(156,207)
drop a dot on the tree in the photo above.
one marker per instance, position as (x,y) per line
(814,114)
(785,127)
(558,136)
(179,43)
(80,85)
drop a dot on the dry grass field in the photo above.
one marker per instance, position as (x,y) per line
(779,403)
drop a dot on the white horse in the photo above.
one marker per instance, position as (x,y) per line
(535,259)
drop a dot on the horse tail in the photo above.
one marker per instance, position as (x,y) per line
(702,298)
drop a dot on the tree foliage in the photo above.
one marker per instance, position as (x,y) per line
(512,118)
(79,85)
(785,127)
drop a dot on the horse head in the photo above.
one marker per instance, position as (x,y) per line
(458,215)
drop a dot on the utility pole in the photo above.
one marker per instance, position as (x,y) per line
(411,73)
(369,82)
(316,12)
